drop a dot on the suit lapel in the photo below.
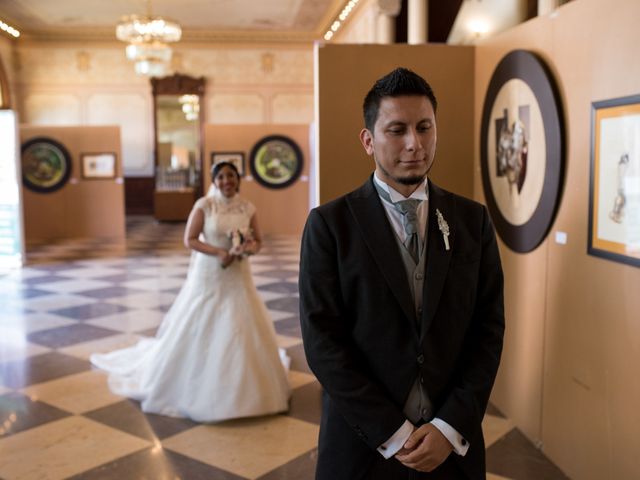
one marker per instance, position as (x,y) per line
(378,235)
(438,257)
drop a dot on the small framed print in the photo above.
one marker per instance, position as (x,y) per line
(236,158)
(614,182)
(98,165)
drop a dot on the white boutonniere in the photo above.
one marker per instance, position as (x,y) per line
(444,228)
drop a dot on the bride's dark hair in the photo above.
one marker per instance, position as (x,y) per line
(215,170)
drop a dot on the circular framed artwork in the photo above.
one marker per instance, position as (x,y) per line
(46,165)
(522,150)
(276,161)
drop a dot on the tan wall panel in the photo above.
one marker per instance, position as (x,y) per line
(589,306)
(347,72)
(81,208)
(519,386)
(280,211)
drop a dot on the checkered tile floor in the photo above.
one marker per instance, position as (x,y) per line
(58,419)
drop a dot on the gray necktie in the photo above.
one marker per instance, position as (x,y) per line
(408,208)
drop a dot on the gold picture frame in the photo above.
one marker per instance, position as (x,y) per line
(614,183)
(98,166)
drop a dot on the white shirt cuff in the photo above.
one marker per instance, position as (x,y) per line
(392,446)
(460,444)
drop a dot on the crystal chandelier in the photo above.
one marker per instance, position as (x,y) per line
(190,106)
(148,37)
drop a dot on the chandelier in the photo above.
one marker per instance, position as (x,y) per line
(148,37)
(190,106)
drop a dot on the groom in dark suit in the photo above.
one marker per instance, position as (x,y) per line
(401,301)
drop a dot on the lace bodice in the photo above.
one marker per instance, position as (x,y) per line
(222,215)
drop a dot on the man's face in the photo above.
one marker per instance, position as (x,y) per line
(403,143)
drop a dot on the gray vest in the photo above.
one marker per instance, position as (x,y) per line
(418,406)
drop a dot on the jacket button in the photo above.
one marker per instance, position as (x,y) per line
(419,276)
(420,359)
(463,442)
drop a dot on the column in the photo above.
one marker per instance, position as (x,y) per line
(547,6)
(386,25)
(417,20)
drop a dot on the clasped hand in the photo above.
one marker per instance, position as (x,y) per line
(425,449)
(237,252)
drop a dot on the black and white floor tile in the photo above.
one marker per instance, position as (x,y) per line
(58,419)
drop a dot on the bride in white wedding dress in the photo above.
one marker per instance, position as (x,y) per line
(215,355)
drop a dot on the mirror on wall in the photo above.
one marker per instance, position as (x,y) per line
(178,144)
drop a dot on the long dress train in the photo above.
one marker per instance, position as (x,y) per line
(215,355)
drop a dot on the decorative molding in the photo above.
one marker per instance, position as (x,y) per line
(267,62)
(189,36)
(83,61)
(178,84)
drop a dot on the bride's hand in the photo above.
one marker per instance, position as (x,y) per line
(226,258)
(250,247)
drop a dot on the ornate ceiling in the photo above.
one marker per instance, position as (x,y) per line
(201,20)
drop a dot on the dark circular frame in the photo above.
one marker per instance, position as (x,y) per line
(66,158)
(253,158)
(529,68)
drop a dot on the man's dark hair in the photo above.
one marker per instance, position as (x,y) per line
(399,82)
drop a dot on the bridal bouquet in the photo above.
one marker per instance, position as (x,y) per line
(241,240)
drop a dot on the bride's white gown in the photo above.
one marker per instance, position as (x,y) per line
(215,355)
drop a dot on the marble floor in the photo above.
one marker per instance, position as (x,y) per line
(58,419)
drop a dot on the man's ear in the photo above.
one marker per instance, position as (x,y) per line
(366,138)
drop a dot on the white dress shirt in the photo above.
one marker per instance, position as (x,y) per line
(398,439)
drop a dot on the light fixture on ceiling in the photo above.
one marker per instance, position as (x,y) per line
(478,27)
(5,27)
(148,37)
(339,21)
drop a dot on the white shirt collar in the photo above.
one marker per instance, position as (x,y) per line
(419,193)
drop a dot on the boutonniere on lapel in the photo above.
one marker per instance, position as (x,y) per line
(444,228)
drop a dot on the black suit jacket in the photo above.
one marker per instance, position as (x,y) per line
(362,338)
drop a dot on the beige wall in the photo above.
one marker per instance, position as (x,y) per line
(569,374)
(346,72)
(68,84)
(81,208)
(280,211)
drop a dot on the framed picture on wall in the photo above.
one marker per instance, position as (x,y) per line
(522,150)
(46,164)
(276,161)
(98,165)
(614,182)
(237,158)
